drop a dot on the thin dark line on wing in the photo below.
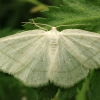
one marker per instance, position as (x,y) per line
(91,57)
(12,58)
(21,42)
(68,50)
(31,56)
(83,44)
(36,61)
(69,59)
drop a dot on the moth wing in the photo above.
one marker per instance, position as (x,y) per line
(66,69)
(84,45)
(25,56)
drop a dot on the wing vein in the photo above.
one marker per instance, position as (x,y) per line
(69,50)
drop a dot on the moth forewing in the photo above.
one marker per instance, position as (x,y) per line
(37,56)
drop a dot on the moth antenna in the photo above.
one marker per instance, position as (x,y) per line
(43,24)
(36,24)
(69,25)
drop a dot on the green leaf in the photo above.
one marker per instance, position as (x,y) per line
(47,92)
(69,93)
(7,31)
(95,85)
(12,89)
(72,12)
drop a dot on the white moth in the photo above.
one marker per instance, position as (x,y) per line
(37,56)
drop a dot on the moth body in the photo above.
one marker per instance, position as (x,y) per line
(53,35)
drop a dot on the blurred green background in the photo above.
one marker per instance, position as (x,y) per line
(12,13)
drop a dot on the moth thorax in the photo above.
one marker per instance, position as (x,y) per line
(54,39)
